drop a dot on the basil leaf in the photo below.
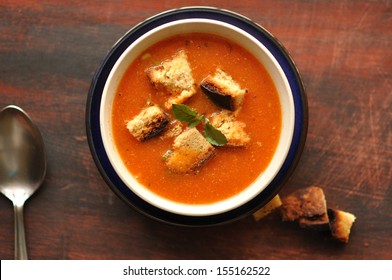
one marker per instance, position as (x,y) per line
(214,136)
(194,123)
(184,114)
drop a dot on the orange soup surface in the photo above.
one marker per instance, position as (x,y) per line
(232,169)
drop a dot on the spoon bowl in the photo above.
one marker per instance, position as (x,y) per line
(22,165)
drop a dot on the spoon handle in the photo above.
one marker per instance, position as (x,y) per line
(20,239)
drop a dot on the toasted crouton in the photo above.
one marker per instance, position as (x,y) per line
(173,129)
(340,223)
(267,209)
(175,77)
(307,202)
(148,123)
(233,130)
(189,152)
(223,90)
(308,206)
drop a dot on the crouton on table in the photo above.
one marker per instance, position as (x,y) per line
(340,223)
(307,202)
(190,151)
(223,90)
(148,123)
(308,206)
(234,130)
(175,77)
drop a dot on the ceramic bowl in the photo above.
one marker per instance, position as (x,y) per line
(249,35)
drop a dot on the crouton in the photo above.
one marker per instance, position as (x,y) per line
(307,202)
(308,206)
(173,129)
(223,90)
(318,223)
(175,77)
(233,130)
(148,123)
(267,209)
(189,152)
(340,223)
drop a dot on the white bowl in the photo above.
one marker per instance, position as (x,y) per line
(272,177)
(245,40)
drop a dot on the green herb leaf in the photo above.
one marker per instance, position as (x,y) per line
(214,136)
(194,123)
(184,114)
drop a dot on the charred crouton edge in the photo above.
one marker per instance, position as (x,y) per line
(189,152)
(175,77)
(148,123)
(318,223)
(223,90)
(234,131)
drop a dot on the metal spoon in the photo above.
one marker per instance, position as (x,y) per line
(22,165)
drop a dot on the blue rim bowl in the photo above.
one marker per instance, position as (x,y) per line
(100,78)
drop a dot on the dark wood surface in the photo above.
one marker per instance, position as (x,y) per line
(49,51)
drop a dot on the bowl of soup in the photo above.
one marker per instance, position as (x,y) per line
(197,116)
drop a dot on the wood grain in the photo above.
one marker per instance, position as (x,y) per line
(49,52)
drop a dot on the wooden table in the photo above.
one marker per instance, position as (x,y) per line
(49,51)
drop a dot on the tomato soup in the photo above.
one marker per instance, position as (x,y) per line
(232,169)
